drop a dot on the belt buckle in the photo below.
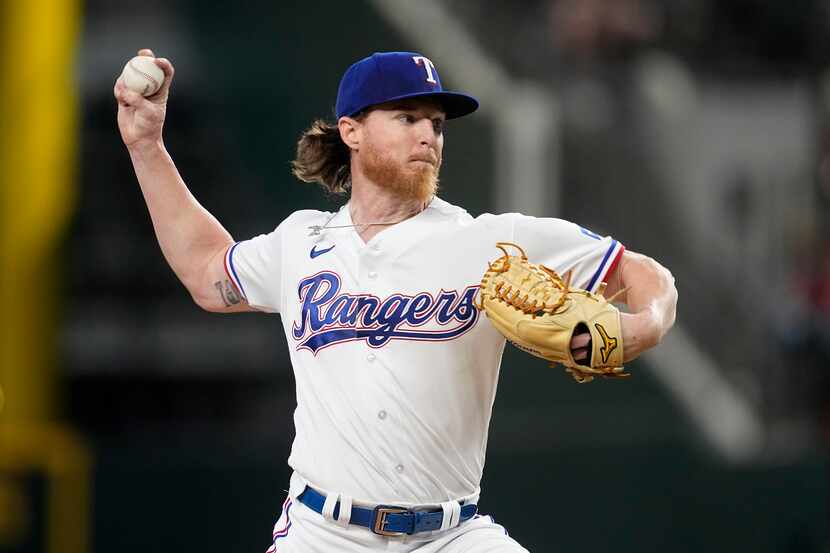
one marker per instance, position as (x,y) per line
(381,511)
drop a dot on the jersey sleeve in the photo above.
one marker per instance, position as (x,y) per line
(563,246)
(255,267)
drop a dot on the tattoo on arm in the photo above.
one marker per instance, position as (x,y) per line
(228,293)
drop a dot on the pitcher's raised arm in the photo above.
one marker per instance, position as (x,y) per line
(192,240)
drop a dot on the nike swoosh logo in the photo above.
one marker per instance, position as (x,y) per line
(315,252)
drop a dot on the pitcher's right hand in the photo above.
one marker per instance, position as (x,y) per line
(141,119)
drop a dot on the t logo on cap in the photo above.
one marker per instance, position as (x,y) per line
(389,76)
(427,63)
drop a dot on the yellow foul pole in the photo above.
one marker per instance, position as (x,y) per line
(38,128)
(38,153)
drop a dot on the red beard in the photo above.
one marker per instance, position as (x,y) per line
(417,181)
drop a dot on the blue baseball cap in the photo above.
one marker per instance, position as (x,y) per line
(386,76)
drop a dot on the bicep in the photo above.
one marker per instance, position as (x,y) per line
(615,283)
(218,292)
(635,272)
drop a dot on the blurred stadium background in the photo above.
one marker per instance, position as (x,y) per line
(695,131)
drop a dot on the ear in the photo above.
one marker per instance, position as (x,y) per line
(351,132)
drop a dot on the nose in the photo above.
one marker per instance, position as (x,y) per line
(425,132)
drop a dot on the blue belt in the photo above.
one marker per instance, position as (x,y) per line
(387,520)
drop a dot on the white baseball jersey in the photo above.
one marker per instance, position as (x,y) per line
(396,370)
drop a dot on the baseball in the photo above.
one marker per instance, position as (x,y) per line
(142,75)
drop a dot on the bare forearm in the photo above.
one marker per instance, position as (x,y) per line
(652,294)
(651,298)
(188,234)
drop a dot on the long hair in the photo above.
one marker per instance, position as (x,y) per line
(322,157)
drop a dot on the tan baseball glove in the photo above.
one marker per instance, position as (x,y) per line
(539,312)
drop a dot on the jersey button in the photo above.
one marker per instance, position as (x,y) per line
(381,414)
(373,274)
(370,357)
(399,468)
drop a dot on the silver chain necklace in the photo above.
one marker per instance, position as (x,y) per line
(317,229)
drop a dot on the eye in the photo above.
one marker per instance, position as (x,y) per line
(438,126)
(406,118)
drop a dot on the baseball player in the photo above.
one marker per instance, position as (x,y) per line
(395,368)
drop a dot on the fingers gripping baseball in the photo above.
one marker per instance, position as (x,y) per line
(141,119)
